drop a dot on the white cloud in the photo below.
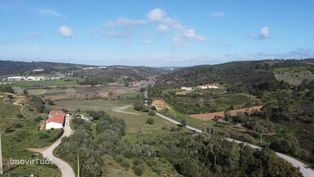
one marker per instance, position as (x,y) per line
(162,28)
(125,22)
(162,23)
(47,12)
(156,14)
(264,33)
(218,14)
(182,34)
(65,31)
(187,35)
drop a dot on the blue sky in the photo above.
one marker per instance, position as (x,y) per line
(155,33)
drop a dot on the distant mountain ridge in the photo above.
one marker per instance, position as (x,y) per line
(15,67)
(108,73)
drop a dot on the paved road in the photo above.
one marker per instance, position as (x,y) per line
(64,167)
(306,172)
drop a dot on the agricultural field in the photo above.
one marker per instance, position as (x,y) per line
(85,93)
(135,121)
(62,83)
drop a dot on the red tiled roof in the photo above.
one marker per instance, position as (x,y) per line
(56,116)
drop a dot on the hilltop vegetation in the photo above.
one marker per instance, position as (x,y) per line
(18,67)
(242,76)
(294,75)
(285,88)
(118,73)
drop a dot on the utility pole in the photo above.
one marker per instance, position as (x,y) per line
(78,165)
(1,164)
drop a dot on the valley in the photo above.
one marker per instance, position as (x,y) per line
(121,128)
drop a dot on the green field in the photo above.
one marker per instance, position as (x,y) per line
(49,83)
(135,122)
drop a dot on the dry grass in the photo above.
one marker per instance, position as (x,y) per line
(214,115)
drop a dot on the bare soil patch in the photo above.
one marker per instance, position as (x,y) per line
(214,115)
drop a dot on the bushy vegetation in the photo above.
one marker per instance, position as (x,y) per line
(6,88)
(37,103)
(200,155)
(287,118)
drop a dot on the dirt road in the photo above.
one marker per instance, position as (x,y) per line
(306,172)
(64,167)
(123,109)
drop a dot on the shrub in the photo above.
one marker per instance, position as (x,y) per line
(118,158)
(138,170)
(150,121)
(43,136)
(124,163)
(137,162)
(38,118)
(20,115)
(151,113)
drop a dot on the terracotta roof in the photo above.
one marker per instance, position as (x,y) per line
(56,116)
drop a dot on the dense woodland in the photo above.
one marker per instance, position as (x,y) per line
(190,155)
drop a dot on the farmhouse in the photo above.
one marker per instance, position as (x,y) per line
(186,88)
(208,86)
(55,120)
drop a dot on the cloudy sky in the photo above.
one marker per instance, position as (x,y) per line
(155,33)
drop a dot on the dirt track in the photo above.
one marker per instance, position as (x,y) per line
(213,115)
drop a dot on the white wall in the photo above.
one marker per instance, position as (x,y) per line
(54,125)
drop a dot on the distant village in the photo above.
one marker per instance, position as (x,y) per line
(38,76)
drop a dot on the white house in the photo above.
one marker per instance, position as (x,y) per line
(55,120)
(186,88)
(208,86)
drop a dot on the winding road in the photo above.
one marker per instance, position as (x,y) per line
(64,167)
(306,171)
